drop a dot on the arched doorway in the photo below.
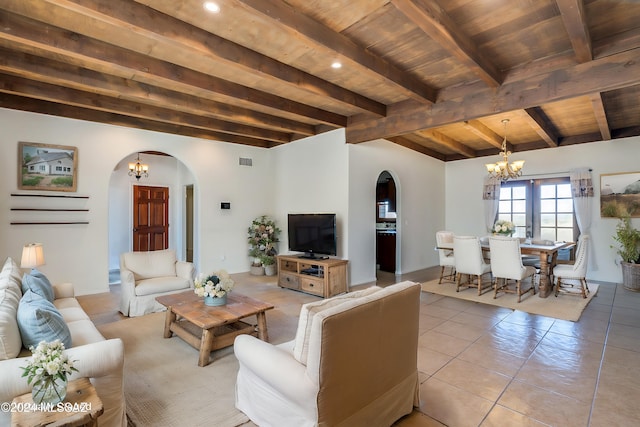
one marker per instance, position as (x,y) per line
(386,216)
(164,171)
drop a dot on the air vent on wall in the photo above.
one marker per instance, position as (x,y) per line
(246,161)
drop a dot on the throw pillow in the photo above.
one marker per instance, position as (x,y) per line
(40,320)
(37,283)
(10,342)
(301,346)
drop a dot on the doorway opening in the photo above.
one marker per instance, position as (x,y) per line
(386,229)
(188,222)
(165,171)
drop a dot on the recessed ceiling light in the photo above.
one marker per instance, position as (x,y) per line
(211,7)
(336,65)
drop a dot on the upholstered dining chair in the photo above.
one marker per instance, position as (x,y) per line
(576,271)
(506,265)
(469,261)
(447,259)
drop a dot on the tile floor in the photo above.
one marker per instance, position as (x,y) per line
(488,366)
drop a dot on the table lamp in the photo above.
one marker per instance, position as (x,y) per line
(32,255)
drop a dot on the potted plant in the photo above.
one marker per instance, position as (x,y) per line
(256,267)
(262,238)
(269,263)
(629,250)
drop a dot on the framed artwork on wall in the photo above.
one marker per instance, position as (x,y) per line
(620,195)
(47,167)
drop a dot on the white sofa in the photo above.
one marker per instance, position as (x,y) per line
(147,275)
(98,359)
(353,363)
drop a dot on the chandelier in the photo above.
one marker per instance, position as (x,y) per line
(503,169)
(138,169)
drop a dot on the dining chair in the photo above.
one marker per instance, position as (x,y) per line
(469,261)
(576,271)
(506,265)
(447,259)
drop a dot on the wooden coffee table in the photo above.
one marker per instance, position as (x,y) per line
(211,328)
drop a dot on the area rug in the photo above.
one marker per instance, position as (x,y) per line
(164,386)
(564,307)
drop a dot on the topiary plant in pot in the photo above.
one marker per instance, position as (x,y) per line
(628,239)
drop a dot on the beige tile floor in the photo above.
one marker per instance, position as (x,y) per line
(487,366)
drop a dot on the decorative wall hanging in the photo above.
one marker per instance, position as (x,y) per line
(47,167)
(620,195)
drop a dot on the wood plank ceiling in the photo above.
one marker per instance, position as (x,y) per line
(435,76)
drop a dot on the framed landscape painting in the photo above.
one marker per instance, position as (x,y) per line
(47,167)
(620,195)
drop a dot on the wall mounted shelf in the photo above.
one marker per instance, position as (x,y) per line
(48,222)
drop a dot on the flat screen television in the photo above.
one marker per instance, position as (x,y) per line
(313,234)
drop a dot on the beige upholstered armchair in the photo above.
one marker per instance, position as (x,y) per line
(147,275)
(353,363)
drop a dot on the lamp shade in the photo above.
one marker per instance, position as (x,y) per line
(32,255)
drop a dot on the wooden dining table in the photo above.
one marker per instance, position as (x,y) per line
(548,258)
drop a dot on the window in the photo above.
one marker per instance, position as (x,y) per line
(541,208)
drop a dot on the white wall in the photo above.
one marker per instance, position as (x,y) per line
(79,253)
(310,176)
(464,211)
(420,193)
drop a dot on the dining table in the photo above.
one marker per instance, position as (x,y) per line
(546,250)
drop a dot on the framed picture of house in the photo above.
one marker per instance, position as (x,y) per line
(620,195)
(47,167)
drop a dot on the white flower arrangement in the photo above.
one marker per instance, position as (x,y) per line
(504,227)
(48,363)
(216,284)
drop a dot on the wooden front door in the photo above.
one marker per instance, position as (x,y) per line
(150,218)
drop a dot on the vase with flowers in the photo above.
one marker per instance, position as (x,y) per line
(504,228)
(48,370)
(214,287)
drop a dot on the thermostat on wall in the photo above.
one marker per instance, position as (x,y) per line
(225,205)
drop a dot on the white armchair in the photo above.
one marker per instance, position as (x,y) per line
(470,261)
(447,259)
(576,271)
(506,264)
(147,275)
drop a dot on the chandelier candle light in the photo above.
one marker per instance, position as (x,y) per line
(503,169)
(138,169)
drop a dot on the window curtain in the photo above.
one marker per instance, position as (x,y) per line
(582,193)
(491,199)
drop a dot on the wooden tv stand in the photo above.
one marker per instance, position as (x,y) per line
(321,277)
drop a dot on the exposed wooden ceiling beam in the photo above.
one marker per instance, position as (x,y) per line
(404,142)
(484,132)
(52,93)
(164,33)
(538,120)
(299,25)
(30,36)
(612,72)
(444,140)
(434,21)
(48,71)
(575,21)
(601,115)
(54,109)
